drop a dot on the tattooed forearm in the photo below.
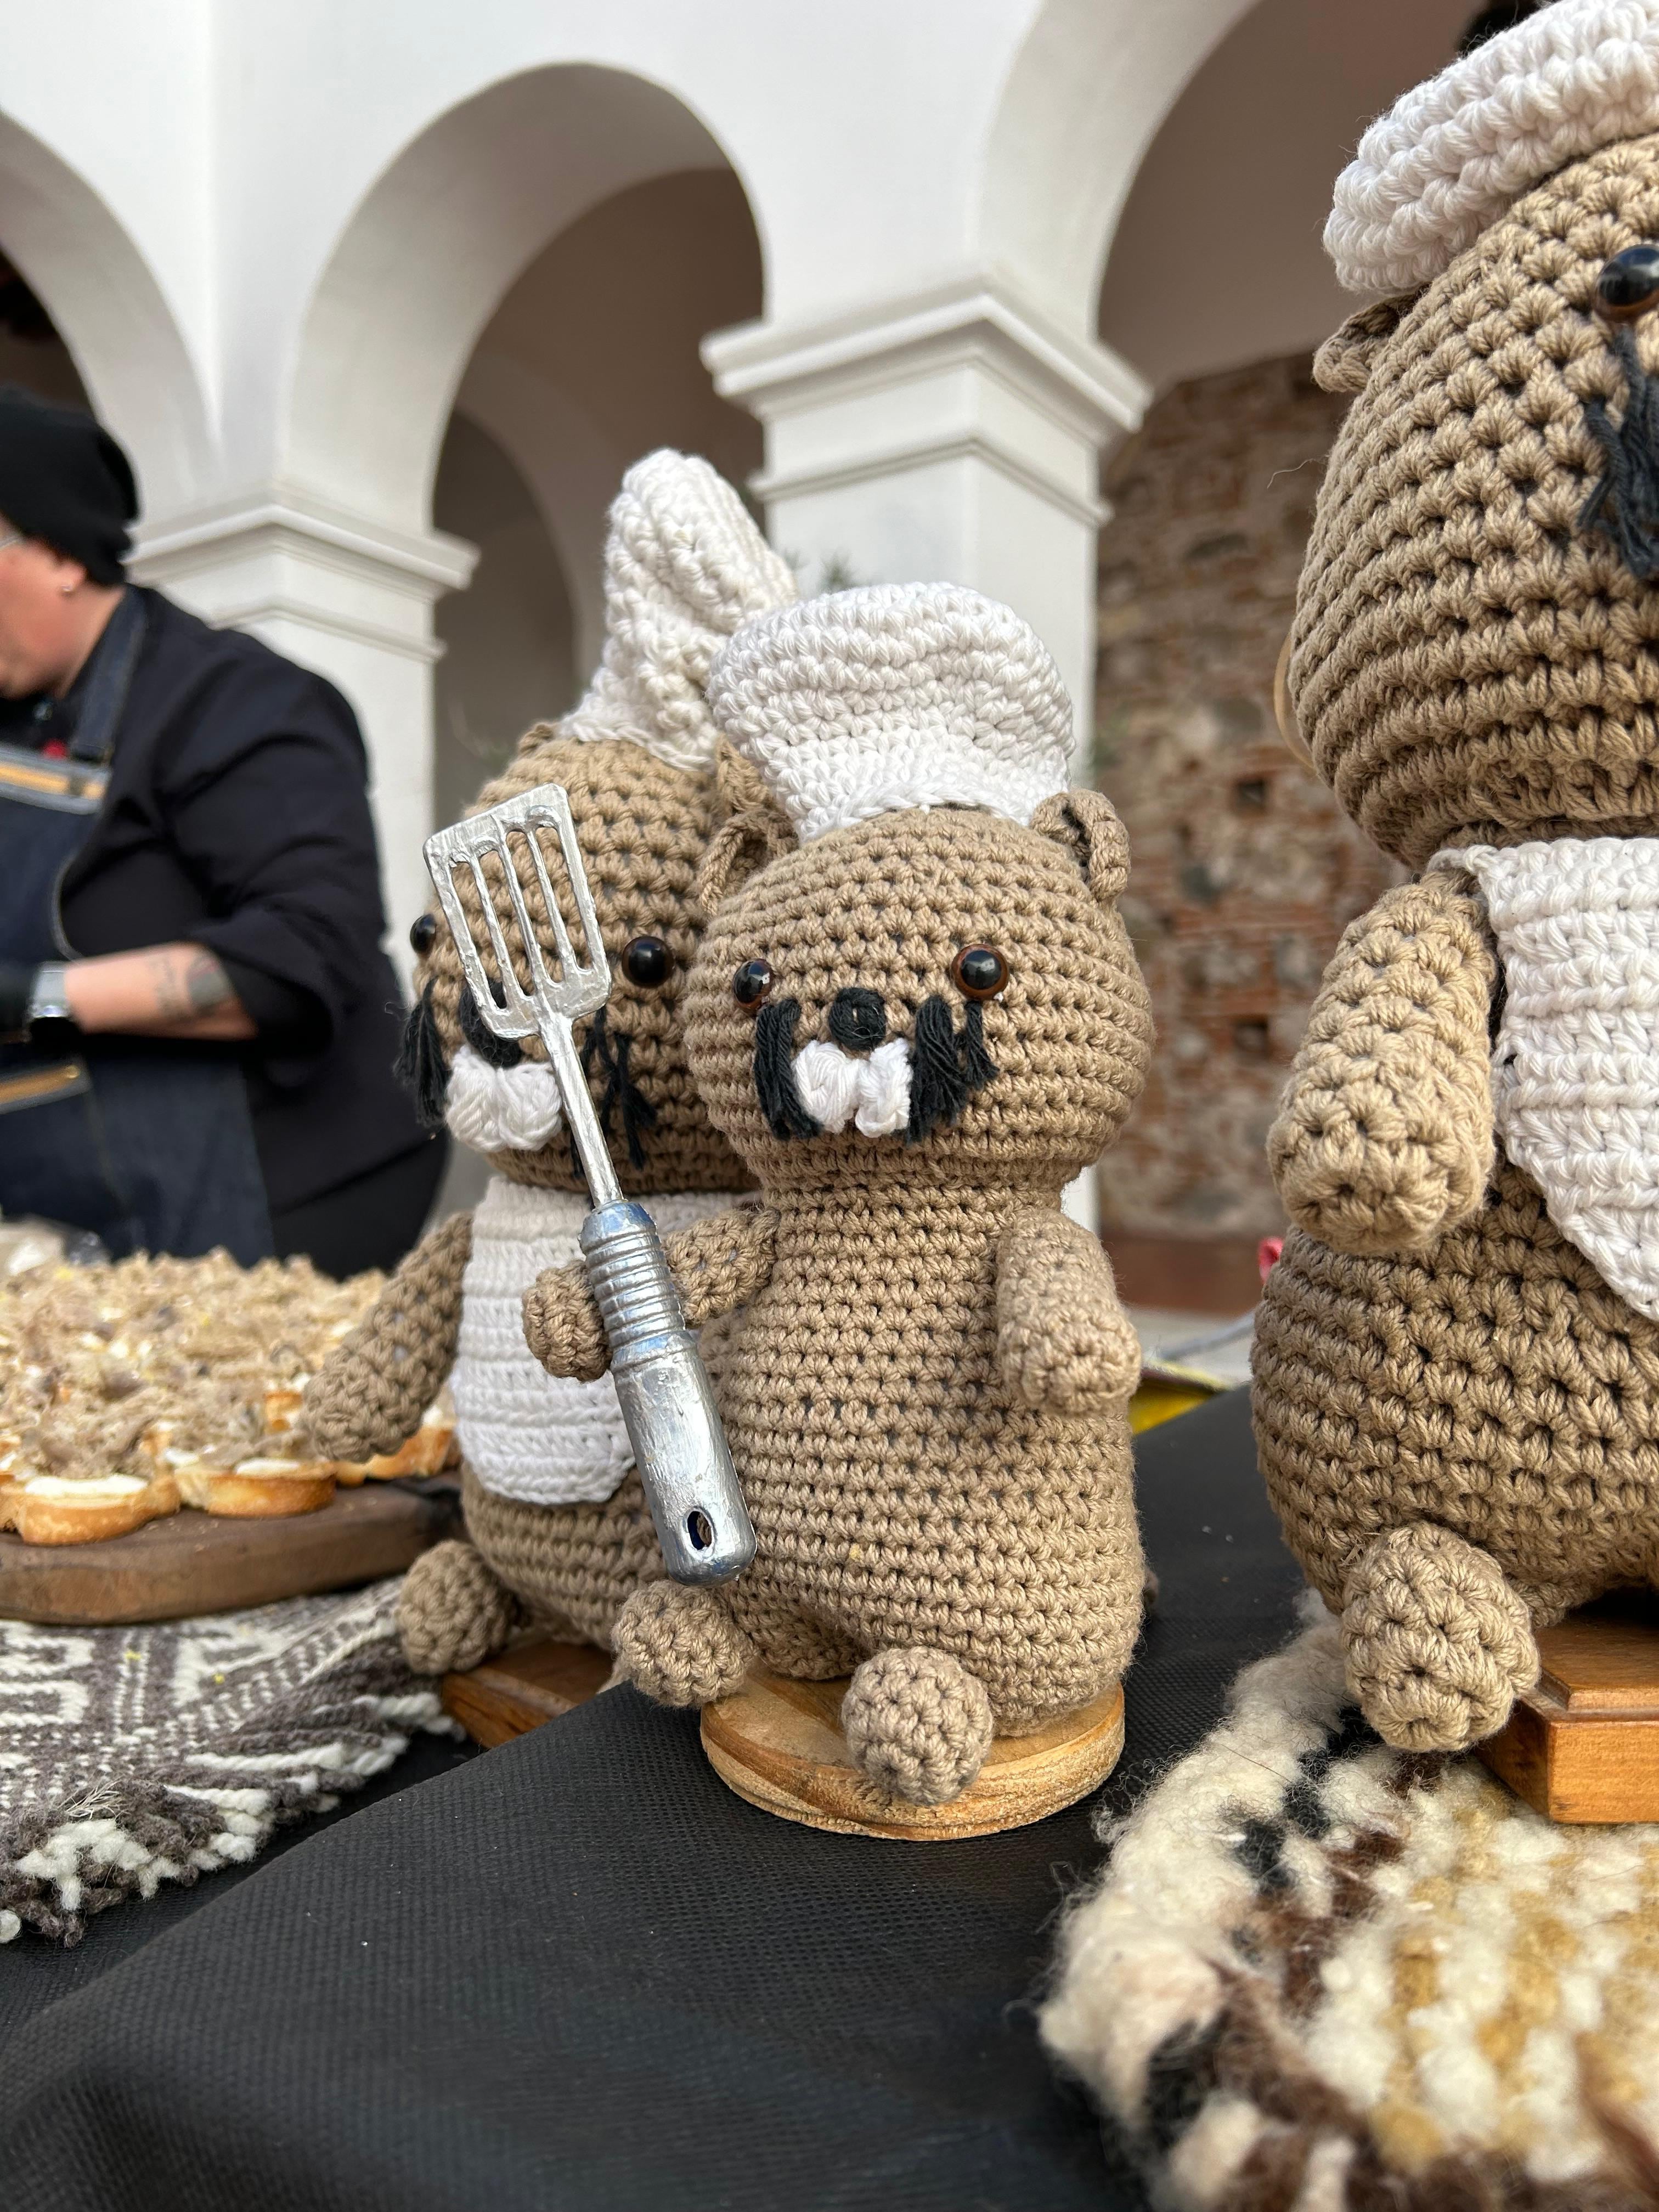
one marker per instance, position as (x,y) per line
(165,990)
(206,983)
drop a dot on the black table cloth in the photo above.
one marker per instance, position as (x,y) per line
(577,1972)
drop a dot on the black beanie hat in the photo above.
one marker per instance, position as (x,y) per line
(63,479)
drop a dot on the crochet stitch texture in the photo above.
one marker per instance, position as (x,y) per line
(563,1536)
(1449,155)
(1456,1409)
(894,696)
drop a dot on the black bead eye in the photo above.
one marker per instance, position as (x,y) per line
(422,934)
(751,983)
(979,971)
(1629,284)
(647,962)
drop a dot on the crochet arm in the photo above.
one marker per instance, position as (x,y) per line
(1063,1341)
(371,1392)
(1384,1135)
(717,1265)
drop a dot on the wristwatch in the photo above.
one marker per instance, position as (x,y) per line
(49,1000)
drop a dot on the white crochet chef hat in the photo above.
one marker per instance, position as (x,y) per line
(1450,155)
(894,696)
(684,566)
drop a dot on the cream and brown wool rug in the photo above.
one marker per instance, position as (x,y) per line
(1319,1974)
(130,1757)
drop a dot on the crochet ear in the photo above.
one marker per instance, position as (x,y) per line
(1085,823)
(1345,362)
(754,828)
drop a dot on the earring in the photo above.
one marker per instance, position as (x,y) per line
(67,590)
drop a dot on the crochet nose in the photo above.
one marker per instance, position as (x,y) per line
(858,1019)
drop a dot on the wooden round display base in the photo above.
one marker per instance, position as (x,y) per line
(779,1744)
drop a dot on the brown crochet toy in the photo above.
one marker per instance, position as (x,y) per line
(914,1030)
(1457,1357)
(559,1531)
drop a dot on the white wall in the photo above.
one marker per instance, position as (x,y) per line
(1217,260)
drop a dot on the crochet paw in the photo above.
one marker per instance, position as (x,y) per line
(451,1612)
(1438,1643)
(562,1325)
(918,1724)
(680,1645)
(1359,1193)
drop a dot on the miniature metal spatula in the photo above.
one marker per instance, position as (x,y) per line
(679,1449)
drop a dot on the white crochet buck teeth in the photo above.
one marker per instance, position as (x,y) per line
(892,696)
(872,1092)
(502,1110)
(684,566)
(1450,155)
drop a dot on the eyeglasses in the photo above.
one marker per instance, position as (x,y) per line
(10,538)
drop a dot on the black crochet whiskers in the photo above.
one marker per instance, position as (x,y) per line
(774,1074)
(420,1063)
(494,1051)
(947,1066)
(611,1049)
(1625,504)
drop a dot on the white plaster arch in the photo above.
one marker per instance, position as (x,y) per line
(100,292)
(570,466)
(1086,94)
(432,248)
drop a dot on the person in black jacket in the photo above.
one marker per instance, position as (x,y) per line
(200,1024)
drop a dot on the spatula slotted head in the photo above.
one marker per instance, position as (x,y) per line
(522,985)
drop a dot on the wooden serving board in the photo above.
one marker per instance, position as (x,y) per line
(518,1690)
(778,1742)
(193,1562)
(1583,1746)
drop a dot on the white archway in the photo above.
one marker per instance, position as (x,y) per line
(432,248)
(1087,93)
(102,296)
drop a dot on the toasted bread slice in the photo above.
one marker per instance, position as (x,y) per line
(256,1489)
(428,1451)
(50,1509)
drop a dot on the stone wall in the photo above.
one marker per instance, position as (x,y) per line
(1243,872)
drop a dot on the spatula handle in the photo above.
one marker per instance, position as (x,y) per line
(679,1447)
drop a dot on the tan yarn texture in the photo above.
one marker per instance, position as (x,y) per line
(934,1456)
(1437,1642)
(373,1391)
(1385,1135)
(1456,1418)
(918,1722)
(451,1610)
(644,827)
(1468,666)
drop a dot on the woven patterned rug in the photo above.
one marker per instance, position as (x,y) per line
(1319,1974)
(130,1757)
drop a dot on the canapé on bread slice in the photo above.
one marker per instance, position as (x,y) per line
(54,1509)
(255,1489)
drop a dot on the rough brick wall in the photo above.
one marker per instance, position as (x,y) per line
(1243,871)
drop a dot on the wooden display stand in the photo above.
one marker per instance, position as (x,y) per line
(1583,1746)
(518,1690)
(193,1562)
(779,1744)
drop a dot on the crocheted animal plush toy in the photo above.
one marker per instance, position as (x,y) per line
(1457,1363)
(557,1524)
(914,1028)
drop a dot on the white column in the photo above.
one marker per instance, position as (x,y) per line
(954,435)
(352,599)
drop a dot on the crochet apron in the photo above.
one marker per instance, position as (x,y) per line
(524,1434)
(1574,1068)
